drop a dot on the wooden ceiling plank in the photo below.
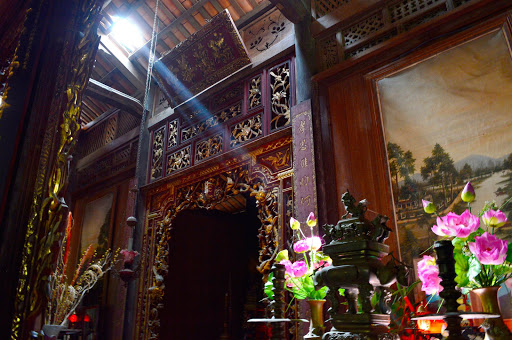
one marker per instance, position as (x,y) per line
(174,24)
(179,6)
(194,23)
(162,7)
(107,94)
(100,118)
(253,3)
(174,39)
(258,11)
(183,31)
(152,13)
(237,7)
(125,66)
(217,5)
(205,14)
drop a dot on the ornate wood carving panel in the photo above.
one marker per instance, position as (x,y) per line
(381,24)
(244,112)
(206,57)
(266,32)
(280,96)
(264,174)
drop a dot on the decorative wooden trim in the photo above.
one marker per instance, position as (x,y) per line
(366,25)
(205,189)
(48,208)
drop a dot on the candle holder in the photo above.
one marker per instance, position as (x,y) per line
(452,317)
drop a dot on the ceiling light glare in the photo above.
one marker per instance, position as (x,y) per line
(127,34)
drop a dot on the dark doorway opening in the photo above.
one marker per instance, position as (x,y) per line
(212,281)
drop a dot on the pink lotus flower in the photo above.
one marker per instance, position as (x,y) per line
(428,273)
(489,249)
(314,242)
(454,225)
(494,219)
(468,193)
(442,229)
(299,268)
(428,207)
(288,266)
(311,220)
(302,246)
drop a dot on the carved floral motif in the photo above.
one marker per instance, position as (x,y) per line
(172,139)
(246,130)
(255,92)
(205,125)
(157,154)
(48,208)
(209,147)
(266,32)
(280,96)
(207,194)
(178,160)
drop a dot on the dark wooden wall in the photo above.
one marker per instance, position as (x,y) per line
(348,113)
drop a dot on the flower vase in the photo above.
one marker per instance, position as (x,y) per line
(316,325)
(51,332)
(495,328)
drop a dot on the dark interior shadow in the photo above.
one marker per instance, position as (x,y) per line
(212,253)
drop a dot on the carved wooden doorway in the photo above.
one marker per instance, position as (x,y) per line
(263,174)
(209,294)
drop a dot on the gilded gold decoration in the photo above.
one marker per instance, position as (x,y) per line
(172,139)
(216,119)
(203,62)
(157,154)
(279,159)
(280,96)
(9,62)
(178,160)
(183,68)
(207,194)
(246,130)
(46,214)
(219,100)
(209,147)
(255,92)
(220,50)
(206,57)
(5,74)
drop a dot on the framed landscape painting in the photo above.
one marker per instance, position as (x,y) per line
(447,120)
(96,224)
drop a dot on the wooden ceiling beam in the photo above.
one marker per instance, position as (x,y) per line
(124,64)
(111,96)
(191,19)
(205,13)
(100,118)
(174,24)
(162,7)
(293,10)
(253,3)
(217,5)
(237,8)
(258,11)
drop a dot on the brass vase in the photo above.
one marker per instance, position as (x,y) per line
(316,325)
(495,328)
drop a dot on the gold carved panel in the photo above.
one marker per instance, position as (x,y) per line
(204,189)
